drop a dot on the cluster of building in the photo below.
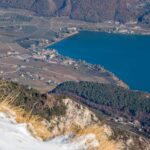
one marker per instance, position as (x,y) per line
(46,55)
(51,56)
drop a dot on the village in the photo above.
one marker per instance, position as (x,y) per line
(52,56)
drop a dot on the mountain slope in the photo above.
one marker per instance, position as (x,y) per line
(113,101)
(68,123)
(99,10)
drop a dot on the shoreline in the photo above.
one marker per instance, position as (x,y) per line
(117,33)
(60,39)
(85,30)
(114,76)
(97,67)
(121,82)
(129,32)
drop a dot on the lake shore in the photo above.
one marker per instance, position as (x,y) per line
(121,32)
(65,37)
(122,70)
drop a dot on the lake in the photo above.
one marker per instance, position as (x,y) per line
(127,56)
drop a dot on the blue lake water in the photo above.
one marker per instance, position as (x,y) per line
(127,56)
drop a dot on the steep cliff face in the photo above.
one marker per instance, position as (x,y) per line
(88,10)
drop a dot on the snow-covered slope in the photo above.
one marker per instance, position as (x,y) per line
(15,136)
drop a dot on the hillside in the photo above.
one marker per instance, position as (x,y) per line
(87,10)
(25,112)
(111,100)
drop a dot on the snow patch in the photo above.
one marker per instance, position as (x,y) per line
(16,137)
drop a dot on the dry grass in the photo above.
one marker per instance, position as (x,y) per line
(105,143)
(39,129)
(35,123)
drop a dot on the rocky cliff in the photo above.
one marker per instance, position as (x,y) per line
(88,10)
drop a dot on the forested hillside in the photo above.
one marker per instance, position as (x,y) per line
(111,100)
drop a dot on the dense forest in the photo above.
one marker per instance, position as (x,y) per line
(111,100)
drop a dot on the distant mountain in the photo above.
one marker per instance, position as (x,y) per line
(88,10)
